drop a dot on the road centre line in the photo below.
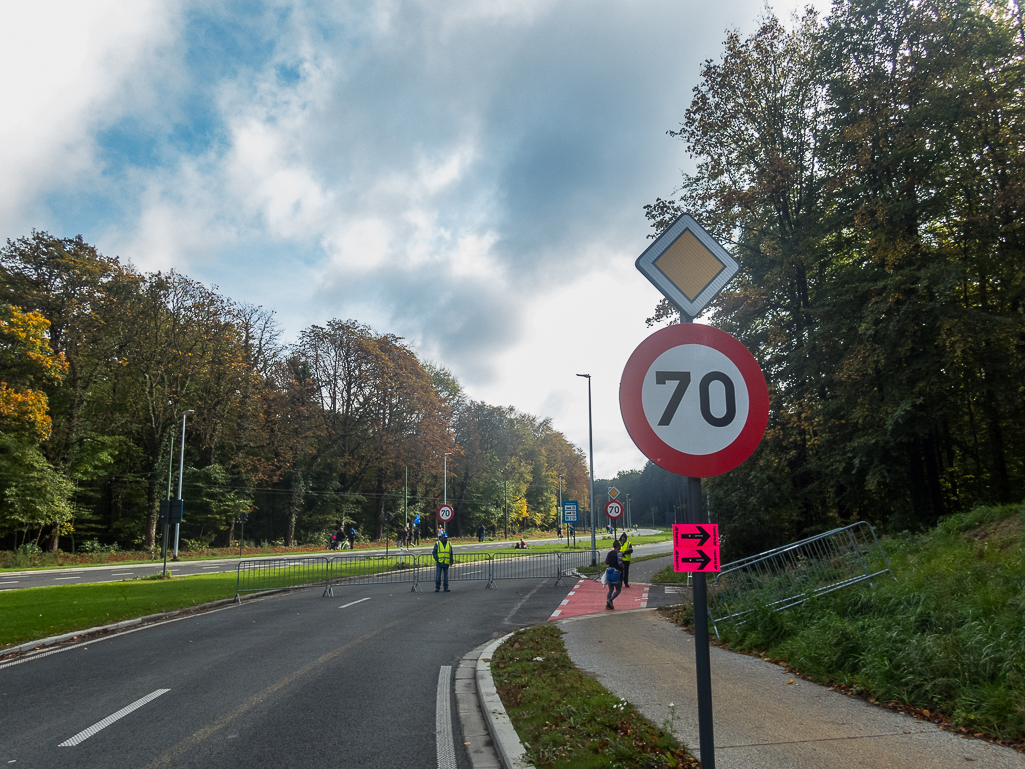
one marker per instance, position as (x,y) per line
(11,582)
(75,577)
(85,734)
(443,720)
(353,603)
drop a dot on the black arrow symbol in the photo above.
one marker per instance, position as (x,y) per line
(704,536)
(702,558)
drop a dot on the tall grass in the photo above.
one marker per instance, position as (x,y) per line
(946,635)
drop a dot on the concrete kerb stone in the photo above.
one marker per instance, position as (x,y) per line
(42,643)
(507,743)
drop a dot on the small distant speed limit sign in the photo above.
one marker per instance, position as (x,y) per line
(694,400)
(445,513)
(613,509)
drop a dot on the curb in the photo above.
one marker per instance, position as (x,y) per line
(42,643)
(506,741)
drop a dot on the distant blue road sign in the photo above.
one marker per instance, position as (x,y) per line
(569,510)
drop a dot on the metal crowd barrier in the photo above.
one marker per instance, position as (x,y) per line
(288,573)
(265,574)
(787,576)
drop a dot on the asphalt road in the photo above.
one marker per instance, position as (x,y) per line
(293,680)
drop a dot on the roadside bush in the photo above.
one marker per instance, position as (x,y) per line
(945,634)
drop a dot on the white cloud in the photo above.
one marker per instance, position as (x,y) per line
(469,175)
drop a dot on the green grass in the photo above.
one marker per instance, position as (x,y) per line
(946,637)
(38,612)
(566,719)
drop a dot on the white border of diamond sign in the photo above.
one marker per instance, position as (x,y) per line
(646,264)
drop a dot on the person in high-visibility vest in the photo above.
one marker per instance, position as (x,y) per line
(442,560)
(626,548)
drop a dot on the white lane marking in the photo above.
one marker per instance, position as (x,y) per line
(212,567)
(11,582)
(556,613)
(78,577)
(443,721)
(516,608)
(361,600)
(564,602)
(85,734)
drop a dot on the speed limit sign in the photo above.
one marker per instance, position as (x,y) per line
(694,400)
(614,509)
(445,513)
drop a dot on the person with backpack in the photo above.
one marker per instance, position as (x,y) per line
(613,574)
(442,560)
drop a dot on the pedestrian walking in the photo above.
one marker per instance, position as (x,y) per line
(442,560)
(416,531)
(626,549)
(613,574)
(352,536)
(400,538)
(481,533)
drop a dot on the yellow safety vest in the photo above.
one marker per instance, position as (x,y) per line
(623,548)
(444,553)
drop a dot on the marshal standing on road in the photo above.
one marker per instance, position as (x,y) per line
(443,559)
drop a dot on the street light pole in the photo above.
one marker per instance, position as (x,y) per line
(181,471)
(590,436)
(447,454)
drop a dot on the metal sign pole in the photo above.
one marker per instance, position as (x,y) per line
(702,662)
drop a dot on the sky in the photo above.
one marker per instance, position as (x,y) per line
(469,175)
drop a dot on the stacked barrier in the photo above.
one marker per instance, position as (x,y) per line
(788,576)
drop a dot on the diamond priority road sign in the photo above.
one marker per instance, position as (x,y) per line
(687,265)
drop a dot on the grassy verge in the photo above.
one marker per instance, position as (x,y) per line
(38,612)
(567,719)
(945,639)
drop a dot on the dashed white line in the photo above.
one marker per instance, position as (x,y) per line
(11,582)
(75,577)
(87,733)
(353,603)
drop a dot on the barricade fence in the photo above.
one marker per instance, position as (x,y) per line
(787,576)
(328,571)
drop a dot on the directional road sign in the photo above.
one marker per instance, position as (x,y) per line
(445,513)
(613,509)
(687,265)
(569,510)
(694,400)
(695,547)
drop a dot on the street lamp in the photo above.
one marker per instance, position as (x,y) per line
(181,471)
(590,435)
(562,522)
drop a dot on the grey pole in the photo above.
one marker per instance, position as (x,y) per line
(562,522)
(181,470)
(590,437)
(445,482)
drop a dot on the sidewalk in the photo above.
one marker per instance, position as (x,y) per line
(764,718)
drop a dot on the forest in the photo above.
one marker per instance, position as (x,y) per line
(102,367)
(866,170)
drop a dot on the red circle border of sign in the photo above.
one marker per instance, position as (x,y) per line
(660,452)
(609,504)
(451,512)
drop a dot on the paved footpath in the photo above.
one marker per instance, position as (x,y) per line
(764,718)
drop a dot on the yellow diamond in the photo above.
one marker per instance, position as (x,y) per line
(689,265)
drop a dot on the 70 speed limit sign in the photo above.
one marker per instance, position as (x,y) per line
(694,400)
